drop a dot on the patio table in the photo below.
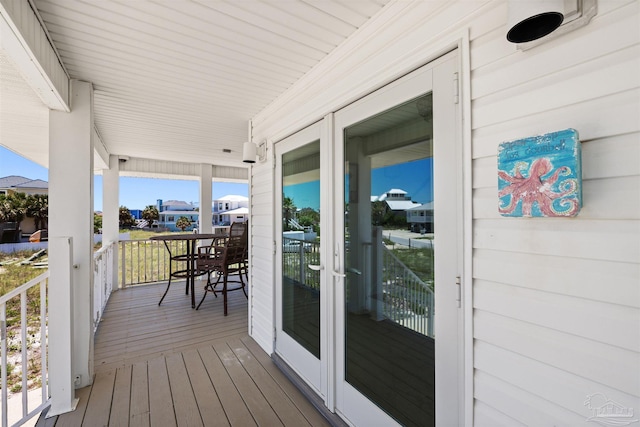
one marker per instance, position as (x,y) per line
(190,272)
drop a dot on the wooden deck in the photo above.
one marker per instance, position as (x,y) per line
(174,366)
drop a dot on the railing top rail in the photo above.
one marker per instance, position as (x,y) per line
(103,249)
(23,288)
(298,240)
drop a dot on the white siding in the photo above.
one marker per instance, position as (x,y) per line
(262,270)
(556,302)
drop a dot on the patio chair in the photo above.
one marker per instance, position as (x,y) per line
(227,261)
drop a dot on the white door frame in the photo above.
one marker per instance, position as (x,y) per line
(450,352)
(311,370)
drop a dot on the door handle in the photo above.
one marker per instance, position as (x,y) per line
(315,267)
(336,274)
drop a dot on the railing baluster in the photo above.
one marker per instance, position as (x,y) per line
(23,349)
(43,339)
(3,349)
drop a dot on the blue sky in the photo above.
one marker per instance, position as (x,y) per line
(135,193)
(413,177)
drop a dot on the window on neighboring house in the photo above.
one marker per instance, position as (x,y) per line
(226,206)
(170,219)
(220,206)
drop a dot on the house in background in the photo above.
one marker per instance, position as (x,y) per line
(19,184)
(136,213)
(229,209)
(397,202)
(171,210)
(420,218)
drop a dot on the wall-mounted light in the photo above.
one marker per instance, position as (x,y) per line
(533,19)
(532,22)
(250,151)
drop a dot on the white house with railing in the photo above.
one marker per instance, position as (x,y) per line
(525,320)
(229,209)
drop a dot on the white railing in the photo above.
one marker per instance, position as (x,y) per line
(297,254)
(147,261)
(103,277)
(31,322)
(407,300)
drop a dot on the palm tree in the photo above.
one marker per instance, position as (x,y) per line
(150,213)
(183,222)
(125,217)
(37,207)
(13,207)
(288,209)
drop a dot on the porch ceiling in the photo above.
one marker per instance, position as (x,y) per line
(179,80)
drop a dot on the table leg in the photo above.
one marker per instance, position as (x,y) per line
(191,248)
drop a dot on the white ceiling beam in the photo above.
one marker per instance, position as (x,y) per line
(27,45)
(100,152)
(150,168)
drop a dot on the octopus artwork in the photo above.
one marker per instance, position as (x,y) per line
(535,189)
(540,176)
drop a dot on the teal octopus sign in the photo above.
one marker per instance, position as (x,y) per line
(540,176)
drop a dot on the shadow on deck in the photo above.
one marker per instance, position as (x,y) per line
(171,365)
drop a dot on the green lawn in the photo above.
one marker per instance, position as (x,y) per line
(420,261)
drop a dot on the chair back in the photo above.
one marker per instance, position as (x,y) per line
(237,229)
(234,251)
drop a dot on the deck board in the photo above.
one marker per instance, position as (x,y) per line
(184,400)
(207,399)
(253,398)
(160,414)
(139,413)
(99,404)
(275,396)
(235,408)
(121,398)
(172,365)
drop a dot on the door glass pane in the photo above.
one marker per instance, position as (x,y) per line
(301,246)
(389,261)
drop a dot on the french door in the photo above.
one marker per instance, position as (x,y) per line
(300,325)
(368,313)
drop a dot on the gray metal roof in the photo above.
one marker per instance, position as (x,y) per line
(15,181)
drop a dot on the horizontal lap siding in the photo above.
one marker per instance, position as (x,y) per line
(557,301)
(262,269)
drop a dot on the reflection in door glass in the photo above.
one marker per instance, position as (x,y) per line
(301,246)
(389,261)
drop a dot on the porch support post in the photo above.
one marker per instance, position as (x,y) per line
(110,212)
(61,387)
(360,207)
(71,216)
(206,188)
